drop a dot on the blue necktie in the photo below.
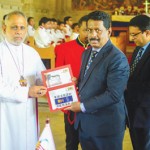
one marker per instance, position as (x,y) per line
(133,66)
(92,56)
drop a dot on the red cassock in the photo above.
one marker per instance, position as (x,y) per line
(70,53)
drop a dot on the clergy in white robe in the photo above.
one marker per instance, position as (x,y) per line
(18,109)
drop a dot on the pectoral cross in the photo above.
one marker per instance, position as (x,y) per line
(146,6)
(23,81)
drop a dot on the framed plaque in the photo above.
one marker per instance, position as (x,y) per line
(61,90)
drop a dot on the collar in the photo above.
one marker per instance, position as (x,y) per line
(145,46)
(81,43)
(96,49)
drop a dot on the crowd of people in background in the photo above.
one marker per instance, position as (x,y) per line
(129,10)
(50,31)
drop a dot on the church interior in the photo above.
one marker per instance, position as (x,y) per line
(121,12)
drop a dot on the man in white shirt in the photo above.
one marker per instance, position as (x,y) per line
(68,24)
(61,31)
(75,31)
(20,85)
(42,35)
(31,24)
(57,34)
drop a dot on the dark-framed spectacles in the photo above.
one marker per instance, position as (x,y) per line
(134,35)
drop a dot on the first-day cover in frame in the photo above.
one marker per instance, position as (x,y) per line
(61,90)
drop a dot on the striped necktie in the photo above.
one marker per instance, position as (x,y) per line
(133,66)
(92,56)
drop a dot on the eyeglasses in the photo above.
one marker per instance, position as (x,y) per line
(134,35)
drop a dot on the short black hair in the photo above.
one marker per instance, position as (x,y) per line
(29,18)
(141,21)
(54,20)
(100,15)
(60,22)
(66,18)
(82,19)
(4,17)
(74,25)
(43,20)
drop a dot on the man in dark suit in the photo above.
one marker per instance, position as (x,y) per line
(101,111)
(137,95)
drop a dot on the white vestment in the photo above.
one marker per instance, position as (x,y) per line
(68,30)
(42,37)
(74,36)
(58,36)
(18,115)
(31,30)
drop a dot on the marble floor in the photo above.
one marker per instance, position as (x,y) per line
(57,127)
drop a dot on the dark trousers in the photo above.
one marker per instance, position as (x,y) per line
(140,138)
(113,142)
(72,138)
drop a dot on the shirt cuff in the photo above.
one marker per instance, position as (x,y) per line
(82,107)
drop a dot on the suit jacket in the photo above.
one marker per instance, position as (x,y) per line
(137,94)
(102,92)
